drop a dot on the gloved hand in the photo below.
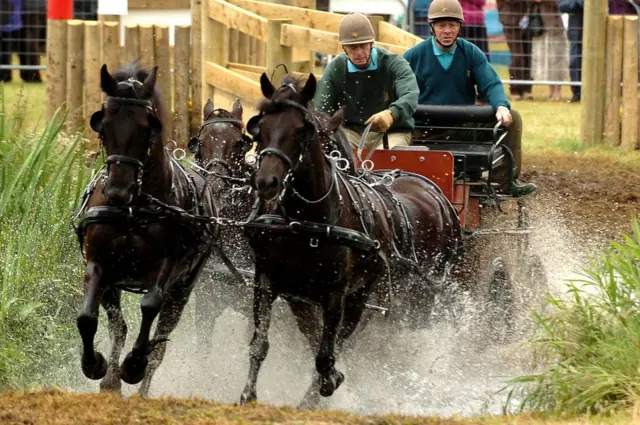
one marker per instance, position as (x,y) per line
(505,115)
(382,120)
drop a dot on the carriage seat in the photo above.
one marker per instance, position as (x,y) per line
(468,158)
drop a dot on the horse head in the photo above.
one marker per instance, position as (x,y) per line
(221,144)
(283,130)
(129,129)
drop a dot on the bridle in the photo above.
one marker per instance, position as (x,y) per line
(126,159)
(196,145)
(276,106)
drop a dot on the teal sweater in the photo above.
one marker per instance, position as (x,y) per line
(391,86)
(456,85)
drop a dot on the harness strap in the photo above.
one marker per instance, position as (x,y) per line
(334,235)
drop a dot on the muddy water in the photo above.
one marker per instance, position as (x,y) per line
(441,371)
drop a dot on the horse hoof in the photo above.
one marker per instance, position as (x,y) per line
(248,396)
(331,384)
(133,369)
(96,369)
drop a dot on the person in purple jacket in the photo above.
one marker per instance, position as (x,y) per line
(474,28)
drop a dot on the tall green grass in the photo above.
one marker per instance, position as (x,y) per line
(590,342)
(41,180)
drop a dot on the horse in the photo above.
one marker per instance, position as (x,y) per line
(220,151)
(146,225)
(325,237)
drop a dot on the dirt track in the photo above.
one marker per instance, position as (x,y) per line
(57,408)
(596,197)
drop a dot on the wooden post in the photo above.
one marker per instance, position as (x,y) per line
(243,48)
(593,69)
(131,43)
(614,79)
(253,51)
(276,53)
(163,60)
(75,68)
(630,84)
(234,36)
(196,65)
(56,65)
(92,65)
(147,48)
(209,43)
(111,45)
(181,84)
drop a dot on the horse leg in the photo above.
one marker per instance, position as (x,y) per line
(135,363)
(167,322)
(309,325)
(263,299)
(118,333)
(331,379)
(94,366)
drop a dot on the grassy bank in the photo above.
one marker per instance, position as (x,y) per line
(589,345)
(41,179)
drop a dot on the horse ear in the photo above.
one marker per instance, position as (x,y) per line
(337,119)
(107,83)
(208,109)
(96,121)
(236,109)
(266,86)
(309,90)
(253,126)
(150,83)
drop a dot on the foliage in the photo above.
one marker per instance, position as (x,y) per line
(41,181)
(590,342)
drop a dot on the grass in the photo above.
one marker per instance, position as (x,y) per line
(55,407)
(41,179)
(590,342)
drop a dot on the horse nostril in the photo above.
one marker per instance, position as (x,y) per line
(267,183)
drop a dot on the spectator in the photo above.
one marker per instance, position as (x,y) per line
(549,50)
(511,12)
(420,10)
(474,29)
(622,7)
(575,10)
(11,24)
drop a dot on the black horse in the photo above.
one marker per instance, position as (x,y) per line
(326,238)
(146,225)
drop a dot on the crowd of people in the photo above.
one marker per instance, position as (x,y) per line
(542,47)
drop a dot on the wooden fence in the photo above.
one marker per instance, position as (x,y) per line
(220,56)
(280,34)
(83,46)
(610,96)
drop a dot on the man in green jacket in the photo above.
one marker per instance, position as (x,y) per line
(376,86)
(448,70)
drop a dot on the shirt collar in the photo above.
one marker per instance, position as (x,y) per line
(438,52)
(373,63)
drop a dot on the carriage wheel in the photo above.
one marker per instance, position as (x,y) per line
(500,303)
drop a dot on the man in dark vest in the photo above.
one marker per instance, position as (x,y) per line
(376,86)
(448,70)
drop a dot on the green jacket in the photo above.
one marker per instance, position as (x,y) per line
(391,86)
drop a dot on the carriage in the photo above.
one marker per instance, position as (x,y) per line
(497,228)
